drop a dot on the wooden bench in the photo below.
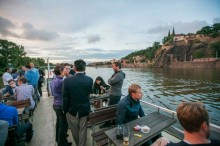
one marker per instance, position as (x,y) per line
(23,103)
(100,116)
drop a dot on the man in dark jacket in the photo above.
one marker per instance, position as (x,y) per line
(76,105)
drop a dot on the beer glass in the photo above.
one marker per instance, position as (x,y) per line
(126,136)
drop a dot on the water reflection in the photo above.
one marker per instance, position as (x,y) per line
(168,87)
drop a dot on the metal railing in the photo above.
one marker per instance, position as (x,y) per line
(213,126)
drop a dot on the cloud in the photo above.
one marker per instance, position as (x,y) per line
(216,20)
(29,32)
(93,38)
(6,26)
(180,27)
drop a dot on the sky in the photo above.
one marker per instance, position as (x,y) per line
(99,30)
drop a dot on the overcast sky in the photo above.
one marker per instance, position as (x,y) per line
(93,30)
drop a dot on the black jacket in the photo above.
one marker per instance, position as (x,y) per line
(76,91)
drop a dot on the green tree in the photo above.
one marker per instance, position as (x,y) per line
(10,53)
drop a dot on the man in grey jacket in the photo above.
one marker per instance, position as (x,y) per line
(116,82)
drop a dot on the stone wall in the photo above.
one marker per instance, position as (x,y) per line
(189,64)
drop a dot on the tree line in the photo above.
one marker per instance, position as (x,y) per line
(13,55)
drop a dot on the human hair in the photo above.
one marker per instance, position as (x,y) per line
(6,69)
(28,66)
(133,88)
(100,79)
(80,65)
(14,70)
(23,80)
(117,64)
(191,115)
(58,69)
(11,80)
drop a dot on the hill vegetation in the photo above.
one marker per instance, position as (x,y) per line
(205,43)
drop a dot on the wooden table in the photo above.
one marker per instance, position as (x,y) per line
(156,121)
(99,97)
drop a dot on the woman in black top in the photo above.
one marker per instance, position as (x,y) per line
(99,87)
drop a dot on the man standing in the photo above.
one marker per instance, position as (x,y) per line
(116,82)
(76,105)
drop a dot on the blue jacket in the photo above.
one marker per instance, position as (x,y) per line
(9,114)
(32,77)
(128,110)
(9,90)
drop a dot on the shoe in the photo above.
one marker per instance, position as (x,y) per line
(104,126)
(69,143)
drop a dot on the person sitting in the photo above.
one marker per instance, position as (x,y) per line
(194,119)
(24,91)
(9,90)
(99,87)
(15,74)
(129,108)
(3,132)
(10,114)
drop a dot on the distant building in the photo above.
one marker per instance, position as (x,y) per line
(178,37)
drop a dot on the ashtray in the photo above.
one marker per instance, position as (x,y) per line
(145,129)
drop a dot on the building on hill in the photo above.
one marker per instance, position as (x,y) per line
(178,37)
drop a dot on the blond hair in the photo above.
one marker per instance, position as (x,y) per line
(191,115)
(133,88)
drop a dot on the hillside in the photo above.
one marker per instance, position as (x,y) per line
(179,51)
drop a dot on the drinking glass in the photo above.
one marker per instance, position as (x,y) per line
(126,136)
(119,134)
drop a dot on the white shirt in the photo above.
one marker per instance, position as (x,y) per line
(6,76)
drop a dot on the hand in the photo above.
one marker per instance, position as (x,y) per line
(102,88)
(7,94)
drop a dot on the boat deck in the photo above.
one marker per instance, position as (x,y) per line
(44,120)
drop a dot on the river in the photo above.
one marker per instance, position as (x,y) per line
(168,87)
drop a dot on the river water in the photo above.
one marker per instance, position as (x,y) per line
(168,87)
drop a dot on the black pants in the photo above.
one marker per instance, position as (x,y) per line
(61,126)
(40,89)
(114,99)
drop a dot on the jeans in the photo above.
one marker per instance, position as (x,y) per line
(3,132)
(25,128)
(61,126)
